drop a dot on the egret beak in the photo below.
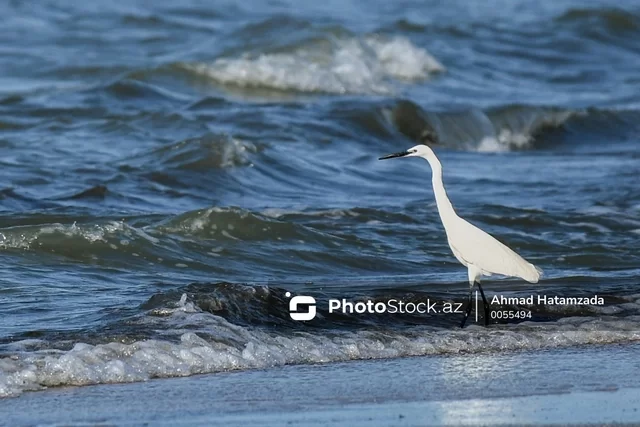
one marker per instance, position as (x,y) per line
(391,156)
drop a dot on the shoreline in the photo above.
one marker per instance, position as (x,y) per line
(568,386)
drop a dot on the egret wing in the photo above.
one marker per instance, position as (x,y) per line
(487,253)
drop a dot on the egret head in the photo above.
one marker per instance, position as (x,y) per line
(420,150)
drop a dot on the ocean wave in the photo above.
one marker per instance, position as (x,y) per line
(10,199)
(131,87)
(516,127)
(96,192)
(170,240)
(336,65)
(267,305)
(304,239)
(232,223)
(613,18)
(357,215)
(44,236)
(210,151)
(207,343)
(509,128)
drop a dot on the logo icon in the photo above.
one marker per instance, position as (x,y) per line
(302,307)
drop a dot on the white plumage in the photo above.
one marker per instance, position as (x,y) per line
(490,255)
(477,250)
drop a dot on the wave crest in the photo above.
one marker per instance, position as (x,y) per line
(231,223)
(507,128)
(217,345)
(200,153)
(613,18)
(334,66)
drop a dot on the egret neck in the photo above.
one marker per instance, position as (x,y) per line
(445,209)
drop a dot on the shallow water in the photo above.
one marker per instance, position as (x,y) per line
(564,386)
(229,153)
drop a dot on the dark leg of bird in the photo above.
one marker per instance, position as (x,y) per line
(487,309)
(468,310)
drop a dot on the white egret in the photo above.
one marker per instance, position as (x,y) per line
(477,250)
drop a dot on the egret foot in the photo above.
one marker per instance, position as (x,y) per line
(468,310)
(487,308)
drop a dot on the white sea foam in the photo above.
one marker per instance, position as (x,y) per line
(25,237)
(236,348)
(516,130)
(277,213)
(237,149)
(348,65)
(505,140)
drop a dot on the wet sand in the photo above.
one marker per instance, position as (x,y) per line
(582,385)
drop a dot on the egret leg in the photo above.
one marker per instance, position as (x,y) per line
(468,310)
(487,309)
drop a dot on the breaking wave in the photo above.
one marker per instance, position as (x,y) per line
(511,128)
(193,341)
(371,65)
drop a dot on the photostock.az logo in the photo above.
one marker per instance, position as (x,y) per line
(301,307)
